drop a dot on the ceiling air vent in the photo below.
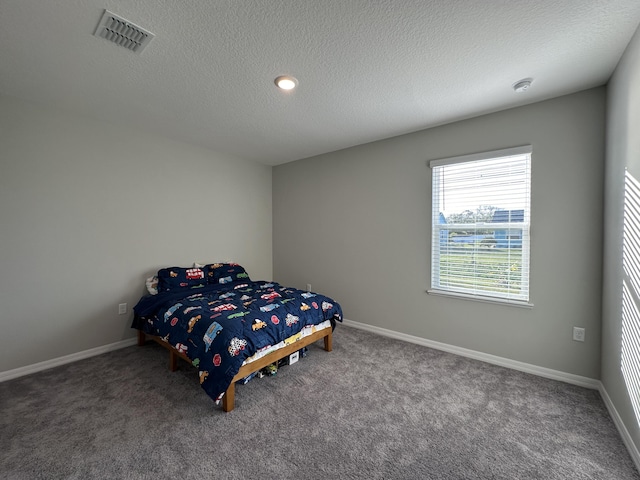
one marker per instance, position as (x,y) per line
(122,32)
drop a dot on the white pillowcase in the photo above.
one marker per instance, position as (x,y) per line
(152,285)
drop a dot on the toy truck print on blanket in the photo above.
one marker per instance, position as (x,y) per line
(222,323)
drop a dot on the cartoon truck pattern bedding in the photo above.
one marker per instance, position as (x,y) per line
(219,325)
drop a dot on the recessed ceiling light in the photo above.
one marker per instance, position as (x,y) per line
(523,85)
(286,82)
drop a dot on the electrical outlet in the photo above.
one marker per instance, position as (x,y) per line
(578,334)
(308,287)
(122,309)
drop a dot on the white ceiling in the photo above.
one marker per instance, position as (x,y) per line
(368,69)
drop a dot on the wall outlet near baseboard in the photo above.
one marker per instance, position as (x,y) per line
(578,334)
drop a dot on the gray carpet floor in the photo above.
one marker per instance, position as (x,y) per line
(374,408)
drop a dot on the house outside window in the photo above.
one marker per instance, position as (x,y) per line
(481,219)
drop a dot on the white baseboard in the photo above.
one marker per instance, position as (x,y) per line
(493,359)
(622,429)
(55,362)
(521,366)
(484,357)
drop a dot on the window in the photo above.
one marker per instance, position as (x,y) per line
(480,225)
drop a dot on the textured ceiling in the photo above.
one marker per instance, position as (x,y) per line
(368,69)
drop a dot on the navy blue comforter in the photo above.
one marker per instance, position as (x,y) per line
(218,326)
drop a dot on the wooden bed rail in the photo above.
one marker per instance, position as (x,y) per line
(228,400)
(173,353)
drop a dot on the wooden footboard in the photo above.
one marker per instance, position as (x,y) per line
(228,399)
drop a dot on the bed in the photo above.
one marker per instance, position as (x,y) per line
(228,326)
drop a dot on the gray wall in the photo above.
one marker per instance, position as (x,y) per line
(88,210)
(623,151)
(355,224)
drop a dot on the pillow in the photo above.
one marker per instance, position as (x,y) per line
(180,277)
(226,273)
(152,285)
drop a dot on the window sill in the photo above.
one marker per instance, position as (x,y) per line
(476,298)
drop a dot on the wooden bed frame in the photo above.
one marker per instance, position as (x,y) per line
(228,399)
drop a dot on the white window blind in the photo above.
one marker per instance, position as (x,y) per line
(480,222)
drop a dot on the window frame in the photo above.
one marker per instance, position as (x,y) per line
(458,292)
